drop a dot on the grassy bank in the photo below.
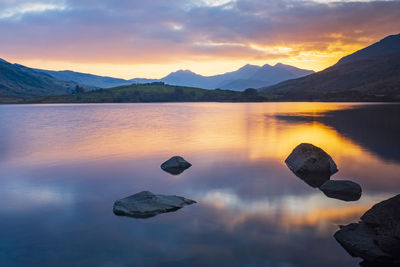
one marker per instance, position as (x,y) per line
(154,92)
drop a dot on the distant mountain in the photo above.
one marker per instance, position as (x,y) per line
(142,80)
(372,73)
(239,84)
(187,78)
(84,78)
(18,80)
(93,80)
(249,76)
(278,73)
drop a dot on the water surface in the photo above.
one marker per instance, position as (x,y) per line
(63,166)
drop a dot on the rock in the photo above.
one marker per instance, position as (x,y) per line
(311,164)
(385,217)
(175,165)
(341,189)
(145,204)
(376,238)
(358,240)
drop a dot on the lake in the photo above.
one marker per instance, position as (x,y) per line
(63,166)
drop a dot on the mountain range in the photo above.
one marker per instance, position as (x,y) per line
(18,80)
(370,74)
(249,76)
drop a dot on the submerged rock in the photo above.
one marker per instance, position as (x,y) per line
(310,163)
(145,204)
(376,238)
(341,189)
(175,165)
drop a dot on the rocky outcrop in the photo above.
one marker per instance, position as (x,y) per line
(341,189)
(145,204)
(175,165)
(376,238)
(311,164)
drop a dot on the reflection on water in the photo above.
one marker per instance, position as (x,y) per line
(375,127)
(63,166)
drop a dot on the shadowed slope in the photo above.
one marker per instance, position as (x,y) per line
(370,74)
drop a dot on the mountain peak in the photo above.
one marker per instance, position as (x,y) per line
(266,66)
(249,66)
(2,60)
(185,71)
(281,65)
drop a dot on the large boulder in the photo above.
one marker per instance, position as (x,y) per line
(358,240)
(341,189)
(384,217)
(310,163)
(376,238)
(145,204)
(175,165)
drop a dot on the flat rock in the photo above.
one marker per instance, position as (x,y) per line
(341,189)
(311,164)
(175,165)
(376,238)
(145,204)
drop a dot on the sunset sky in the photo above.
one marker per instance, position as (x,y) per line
(129,39)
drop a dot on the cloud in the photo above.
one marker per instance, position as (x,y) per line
(17,11)
(138,32)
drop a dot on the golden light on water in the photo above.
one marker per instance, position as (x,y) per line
(250,131)
(237,139)
(291,211)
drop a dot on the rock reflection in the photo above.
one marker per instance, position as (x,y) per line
(288,211)
(374,126)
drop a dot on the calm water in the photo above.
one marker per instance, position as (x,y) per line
(63,166)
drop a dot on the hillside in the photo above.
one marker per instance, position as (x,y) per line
(18,80)
(388,45)
(370,74)
(154,92)
(86,79)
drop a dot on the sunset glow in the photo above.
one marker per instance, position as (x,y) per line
(130,39)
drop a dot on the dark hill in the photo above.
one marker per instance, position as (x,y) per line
(388,45)
(86,79)
(18,80)
(153,92)
(370,74)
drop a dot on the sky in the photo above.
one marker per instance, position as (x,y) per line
(149,39)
